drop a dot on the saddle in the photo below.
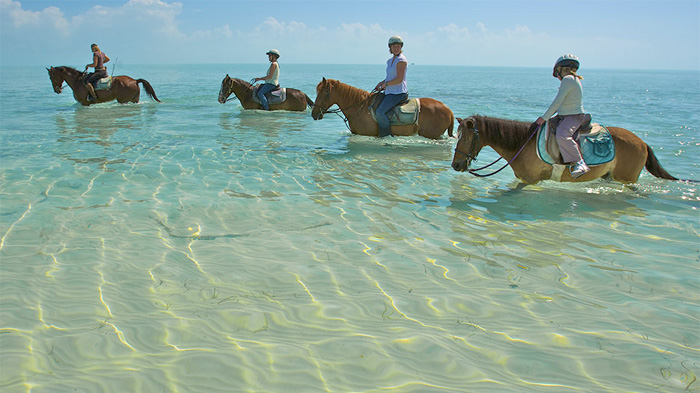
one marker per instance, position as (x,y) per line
(594,140)
(277,96)
(403,114)
(103,84)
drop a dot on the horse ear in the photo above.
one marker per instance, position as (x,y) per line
(459,120)
(324,79)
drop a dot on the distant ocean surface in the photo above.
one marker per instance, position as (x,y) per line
(192,246)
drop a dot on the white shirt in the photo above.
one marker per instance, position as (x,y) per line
(569,99)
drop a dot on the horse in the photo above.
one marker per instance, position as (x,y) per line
(296,99)
(514,141)
(124,88)
(433,119)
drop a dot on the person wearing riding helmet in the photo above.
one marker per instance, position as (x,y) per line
(271,79)
(394,85)
(98,61)
(568,104)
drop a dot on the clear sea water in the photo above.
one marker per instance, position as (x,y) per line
(191,246)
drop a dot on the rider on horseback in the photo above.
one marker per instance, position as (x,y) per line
(271,79)
(394,85)
(98,61)
(569,107)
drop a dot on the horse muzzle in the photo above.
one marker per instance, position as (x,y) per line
(460,165)
(316,114)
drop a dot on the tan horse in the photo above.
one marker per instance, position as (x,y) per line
(124,88)
(296,99)
(515,142)
(434,117)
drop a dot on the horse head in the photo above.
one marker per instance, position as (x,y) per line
(56,79)
(226,89)
(323,99)
(468,144)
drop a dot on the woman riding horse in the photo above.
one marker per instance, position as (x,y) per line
(272,79)
(433,119)
(296,100)
(394,85)
(124,89)
(514,141)
(98,61)
(569,107)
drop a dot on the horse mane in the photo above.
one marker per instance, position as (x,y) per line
(244,83)
(69,70)
(352,92)
(509,134)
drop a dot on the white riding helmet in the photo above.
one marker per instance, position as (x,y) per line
(273,52)
(395,40)
(567,60)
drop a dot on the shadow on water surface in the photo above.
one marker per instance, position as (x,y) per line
(92,134)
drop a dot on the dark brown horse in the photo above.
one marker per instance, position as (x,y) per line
(296,99)
(514,141)
(124,88)
(434,117)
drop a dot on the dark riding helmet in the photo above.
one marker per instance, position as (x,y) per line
(567,60)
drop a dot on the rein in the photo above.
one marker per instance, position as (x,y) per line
(472,149)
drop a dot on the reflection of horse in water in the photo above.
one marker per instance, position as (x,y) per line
(295,100)
(123,89)
(513,141)
(433,119)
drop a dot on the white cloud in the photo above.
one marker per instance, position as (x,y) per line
(151,32)
(19,18)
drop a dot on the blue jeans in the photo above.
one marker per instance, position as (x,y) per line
(388,103)
(264,89)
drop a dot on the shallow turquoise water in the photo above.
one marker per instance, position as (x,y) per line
(192,246)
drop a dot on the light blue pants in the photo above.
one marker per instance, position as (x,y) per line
(264,89)
(389,102)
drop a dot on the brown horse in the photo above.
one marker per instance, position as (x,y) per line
(124,88)
(515,142)
(296,99)
(434,117)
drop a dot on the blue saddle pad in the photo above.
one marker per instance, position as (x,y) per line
(597,147)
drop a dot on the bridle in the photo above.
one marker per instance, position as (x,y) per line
(471,156)
(53,71)
(230,91)
(339,110)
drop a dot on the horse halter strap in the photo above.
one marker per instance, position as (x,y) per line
(471,155)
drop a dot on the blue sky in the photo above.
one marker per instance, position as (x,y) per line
(638,34)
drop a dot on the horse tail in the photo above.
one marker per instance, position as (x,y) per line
(149,89)
(309,103)
(452,124)
(654,167)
